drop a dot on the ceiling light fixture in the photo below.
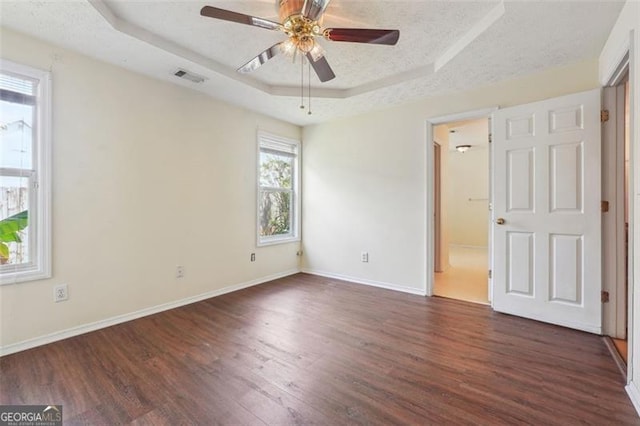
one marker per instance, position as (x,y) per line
(301,22)
(302,32)
(301,43)
(463,148)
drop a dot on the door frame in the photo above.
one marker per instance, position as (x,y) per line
(437,207)
(619,48)
(613,224)
(429,178)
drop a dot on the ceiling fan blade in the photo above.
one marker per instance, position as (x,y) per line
(360,35)
(322,68)
(313,9)
(241,18)
(263,57)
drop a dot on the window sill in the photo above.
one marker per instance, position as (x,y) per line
(7,278)
(276,241)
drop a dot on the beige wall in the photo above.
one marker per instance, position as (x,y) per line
(624,37)
(468,178)
(364,179)
(170,179)
(146,176)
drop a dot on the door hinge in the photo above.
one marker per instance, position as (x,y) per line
(604,115)
(604,296)
(604,206)
(490,273)
(490,138)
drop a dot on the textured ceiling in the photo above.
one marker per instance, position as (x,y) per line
(425,24)
(444,46)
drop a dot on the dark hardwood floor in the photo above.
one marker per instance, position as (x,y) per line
(310,350)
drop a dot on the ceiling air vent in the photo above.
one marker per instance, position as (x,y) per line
(195,78)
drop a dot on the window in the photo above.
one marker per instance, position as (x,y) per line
(278,194)
(24,173)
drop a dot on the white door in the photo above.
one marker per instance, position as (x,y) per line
(546,211)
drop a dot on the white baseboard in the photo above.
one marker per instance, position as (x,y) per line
(634,395)
(388,286)
(86,328)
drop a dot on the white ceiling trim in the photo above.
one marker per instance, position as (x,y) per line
(476,30)
(141,34)
(168,46)
(358,90)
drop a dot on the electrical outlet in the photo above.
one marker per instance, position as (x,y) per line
(253,257)
(179,271)
(60,293)
(364,257)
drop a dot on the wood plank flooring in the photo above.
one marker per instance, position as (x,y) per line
(310,350)
(622,348)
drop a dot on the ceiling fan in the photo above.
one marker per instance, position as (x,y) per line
(301,21)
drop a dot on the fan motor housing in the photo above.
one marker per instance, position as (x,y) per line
(287,8)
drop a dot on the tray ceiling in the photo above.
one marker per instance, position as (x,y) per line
(444,46)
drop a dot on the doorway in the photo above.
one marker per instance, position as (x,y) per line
(545,239)
(461,210)
(616,147)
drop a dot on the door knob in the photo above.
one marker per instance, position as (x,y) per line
(500,221)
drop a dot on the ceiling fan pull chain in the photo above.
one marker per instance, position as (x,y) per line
(301,82)
(309,78)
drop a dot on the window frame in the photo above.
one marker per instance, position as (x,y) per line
(294,235)
(40,181)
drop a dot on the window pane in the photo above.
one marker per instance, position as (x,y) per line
(16,135)
(276,171)
(14,236)
(275,213)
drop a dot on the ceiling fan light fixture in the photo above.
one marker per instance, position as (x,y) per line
(288,47)
(305,44)
(463,148)
(317,52)
(302,22)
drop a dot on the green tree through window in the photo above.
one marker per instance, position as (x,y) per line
(25,173)
(277,180)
